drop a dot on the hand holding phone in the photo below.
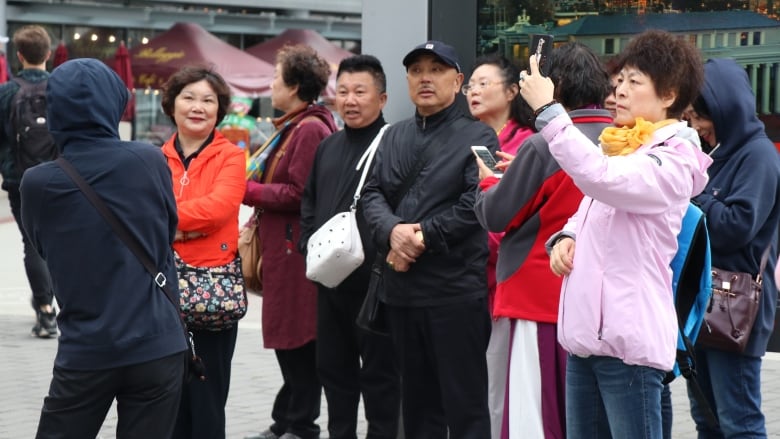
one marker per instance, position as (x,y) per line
(541,46)
(487,158)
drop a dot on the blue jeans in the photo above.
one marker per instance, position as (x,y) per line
(606,398)
(667,415)
(732,384)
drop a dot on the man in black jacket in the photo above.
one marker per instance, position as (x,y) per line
(342,346)
(419,205)
(33,47)
(121,337)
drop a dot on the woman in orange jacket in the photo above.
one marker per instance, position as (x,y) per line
(208,182)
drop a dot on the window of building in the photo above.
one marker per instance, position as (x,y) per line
(721,39)
(743,38)
(756,38)
(609,46)
(706,40)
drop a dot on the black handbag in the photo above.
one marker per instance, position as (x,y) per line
(732,310)
(371,316)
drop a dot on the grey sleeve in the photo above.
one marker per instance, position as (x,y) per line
(557,236)
(547,115)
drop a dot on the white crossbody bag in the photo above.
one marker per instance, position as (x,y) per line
(335,250)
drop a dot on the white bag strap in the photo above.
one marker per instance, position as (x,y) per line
(365,162)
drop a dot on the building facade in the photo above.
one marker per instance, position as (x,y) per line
(752,39)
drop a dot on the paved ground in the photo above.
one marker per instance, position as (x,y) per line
(25,364)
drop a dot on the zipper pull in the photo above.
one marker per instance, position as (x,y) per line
(183,181)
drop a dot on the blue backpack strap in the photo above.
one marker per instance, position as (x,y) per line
(692,289)
(692,273)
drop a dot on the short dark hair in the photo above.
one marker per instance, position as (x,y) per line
(302,66)
(671,62)
(519,111)
(364,63)
(701,108)
(188,75)
(33,43)
(579,76)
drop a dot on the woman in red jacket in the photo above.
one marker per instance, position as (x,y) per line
(533,200)
(494,98)
(208,182)
(275,188)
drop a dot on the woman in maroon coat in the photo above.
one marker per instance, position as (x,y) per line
(275,188)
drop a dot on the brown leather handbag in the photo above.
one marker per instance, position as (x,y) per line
(732,309)
(251,250)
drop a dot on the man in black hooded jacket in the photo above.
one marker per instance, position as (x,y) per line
(434,281)
(120,336)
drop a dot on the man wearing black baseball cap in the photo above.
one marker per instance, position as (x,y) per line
(419,206)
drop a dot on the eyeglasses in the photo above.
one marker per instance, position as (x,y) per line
(481,85)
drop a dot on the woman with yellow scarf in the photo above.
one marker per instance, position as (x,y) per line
(616,316)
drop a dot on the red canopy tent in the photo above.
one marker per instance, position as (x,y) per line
(124,70)
(188,43)
(60,54)
(331,52)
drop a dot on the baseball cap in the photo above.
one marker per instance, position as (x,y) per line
(444,52)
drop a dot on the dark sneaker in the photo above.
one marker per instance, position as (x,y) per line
(267,434)
(46,326)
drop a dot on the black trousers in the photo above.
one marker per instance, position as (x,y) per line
(34,265)
(297,404)
(441,353)
(202,409)
(147,396)
(351,361)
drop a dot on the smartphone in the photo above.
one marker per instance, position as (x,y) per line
(487,157)
(541,46)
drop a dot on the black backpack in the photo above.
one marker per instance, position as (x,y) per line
(34,144)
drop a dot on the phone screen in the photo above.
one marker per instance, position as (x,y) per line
(541,46)
(487,157)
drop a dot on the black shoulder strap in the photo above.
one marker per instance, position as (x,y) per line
(689,282)
(119,228)
(195,364)
(14,109)
(430,150)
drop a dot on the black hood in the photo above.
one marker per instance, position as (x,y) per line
(85,100)
(730,98)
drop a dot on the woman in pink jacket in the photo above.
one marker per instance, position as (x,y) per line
(616,316)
